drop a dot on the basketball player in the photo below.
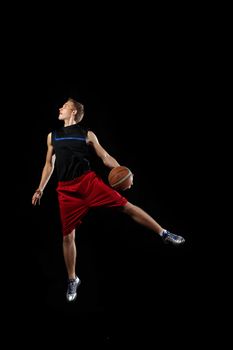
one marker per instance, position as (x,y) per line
(79,188)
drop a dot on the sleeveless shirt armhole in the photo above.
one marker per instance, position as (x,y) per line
(53,133)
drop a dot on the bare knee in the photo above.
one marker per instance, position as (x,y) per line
(69,239)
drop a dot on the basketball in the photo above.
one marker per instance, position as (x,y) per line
(120,178)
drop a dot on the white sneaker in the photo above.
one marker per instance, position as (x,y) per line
(73,284)
(170,237)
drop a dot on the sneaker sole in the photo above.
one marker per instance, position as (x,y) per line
(172,243)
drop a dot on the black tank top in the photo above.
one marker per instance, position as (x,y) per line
(72,152)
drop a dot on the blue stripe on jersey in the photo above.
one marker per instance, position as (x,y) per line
(69,138)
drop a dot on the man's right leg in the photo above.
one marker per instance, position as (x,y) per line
(69,251)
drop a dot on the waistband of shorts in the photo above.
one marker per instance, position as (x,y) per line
(74,181)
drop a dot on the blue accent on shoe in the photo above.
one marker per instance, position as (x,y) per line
(169,237)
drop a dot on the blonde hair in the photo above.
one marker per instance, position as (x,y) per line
(79,108)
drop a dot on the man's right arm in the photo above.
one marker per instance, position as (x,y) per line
(47,171)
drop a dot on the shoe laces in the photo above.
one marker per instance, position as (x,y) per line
(172,236)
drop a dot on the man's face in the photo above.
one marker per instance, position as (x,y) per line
(65,112)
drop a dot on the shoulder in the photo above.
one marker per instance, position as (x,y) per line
(55,132)
(91,137)
(51,136)
(90,133)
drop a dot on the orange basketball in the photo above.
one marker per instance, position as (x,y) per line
(120,178)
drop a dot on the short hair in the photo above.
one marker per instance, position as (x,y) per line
(79,108)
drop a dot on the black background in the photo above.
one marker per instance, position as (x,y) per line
(143,94)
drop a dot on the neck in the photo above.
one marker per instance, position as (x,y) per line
(69,122)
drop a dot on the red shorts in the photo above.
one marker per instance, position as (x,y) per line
(75,197)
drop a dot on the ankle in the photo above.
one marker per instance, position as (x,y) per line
(72,277)
(161,233)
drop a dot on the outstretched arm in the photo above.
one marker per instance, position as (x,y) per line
(47,171)
(107,159)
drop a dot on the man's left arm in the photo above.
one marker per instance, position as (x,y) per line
(107,159)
